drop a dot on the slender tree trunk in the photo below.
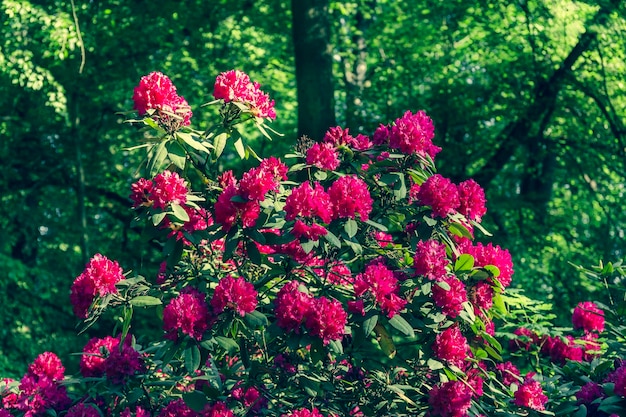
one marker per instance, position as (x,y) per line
(314,76)
(81,209)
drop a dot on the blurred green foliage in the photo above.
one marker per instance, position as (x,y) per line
(527,97)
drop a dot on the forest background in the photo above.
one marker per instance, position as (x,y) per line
(528,98)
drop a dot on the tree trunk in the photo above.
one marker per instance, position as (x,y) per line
(314,76)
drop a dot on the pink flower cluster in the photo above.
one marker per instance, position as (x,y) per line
(450,345)
(250,397)
(382,284)
(430,259)
(490,255)
(508,373)
(592,391)
(235,85)
(156,92)
(323,155)
(39,390)
(410,134)
(338,136)
(588,317)
(450,399)
(323,318)
(234,293)
(240,200)
(444,197)
(98,279)
(189,313)
(83,410)
(105,357)
(306,204)
(448,292)
(558,349)
(530,394)
(450,299)
(349,196)
(166,188)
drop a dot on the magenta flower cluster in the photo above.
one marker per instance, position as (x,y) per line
(236,86)
(322,317)
(98,279)
(156,96)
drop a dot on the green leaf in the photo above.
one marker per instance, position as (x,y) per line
(227,343)
(612,405)
(351,227)
(493,270)
(336,346)
(179,212)
(369,324)
(356,247)
(491,351)
(145,301)
(444,285)
(176,153)
(309,245)
(459,230)
(464,263)
(256,319)
(195,400)
(191,141)
(253,252)
(157,159)
(434,364)
(176,253)
(192,358)
(128,316)
(219,143)
(492,341)
(376,225)
(384,340)
(231,243)
(320,175)
(157,218)
(250,151)
(399,323)
(430,221)
(332,239)
(240,148)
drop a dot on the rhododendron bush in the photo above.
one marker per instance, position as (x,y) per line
(347,278)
